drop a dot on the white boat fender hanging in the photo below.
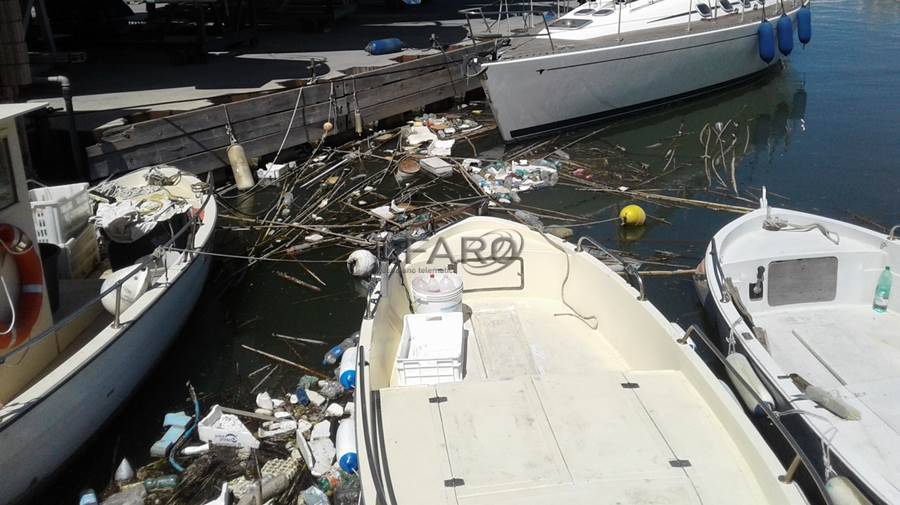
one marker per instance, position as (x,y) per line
(347,372)
(240,168)
(129,291)
(346,445)
(744,370)
(842,492)
(361,263)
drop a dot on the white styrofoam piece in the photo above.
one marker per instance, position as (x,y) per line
(219,428)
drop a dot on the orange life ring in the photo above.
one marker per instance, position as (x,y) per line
(18,245)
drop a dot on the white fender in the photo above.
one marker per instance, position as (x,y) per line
(843,492)
(743,368)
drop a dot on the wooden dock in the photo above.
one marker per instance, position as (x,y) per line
(196,141)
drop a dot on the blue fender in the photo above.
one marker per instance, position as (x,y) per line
(766,35)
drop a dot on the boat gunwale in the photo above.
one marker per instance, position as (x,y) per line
(762,361)
(37,392)
(615,44)
(758,447)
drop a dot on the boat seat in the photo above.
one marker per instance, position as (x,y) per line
(704,10)
(727,6)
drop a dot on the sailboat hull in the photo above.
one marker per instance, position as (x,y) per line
(536,95)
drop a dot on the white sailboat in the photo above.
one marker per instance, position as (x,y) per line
(64,373)
(794,293)
(562,384)
(607,58)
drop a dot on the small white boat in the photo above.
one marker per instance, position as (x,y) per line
(606,58)
(566,386)
(63,373)
(794,293)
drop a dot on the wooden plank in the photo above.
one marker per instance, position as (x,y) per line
(193,121)
(197,141)
(211,160)
(189,144)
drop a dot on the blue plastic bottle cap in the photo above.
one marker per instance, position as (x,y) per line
(349,462)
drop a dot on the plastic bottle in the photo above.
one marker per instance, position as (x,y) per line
(345,445)
(347,373)
(882,291)
(330,389)
(432,284)
(334,354)
(314,496)
(446,284)
(329,482)
(164,482)
(348,493)
(302,397)
(418,284)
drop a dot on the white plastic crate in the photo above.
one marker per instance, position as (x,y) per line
(79,255)
(432,349)
(59,212)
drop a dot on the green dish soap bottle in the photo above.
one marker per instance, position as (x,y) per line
(882,291)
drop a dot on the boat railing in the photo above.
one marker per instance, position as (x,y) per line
(718,273)
(800,456)
(189,228)
(892,235)
(504,11)
(633,275)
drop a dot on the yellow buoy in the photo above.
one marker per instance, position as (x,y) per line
(328,126)
(632,215)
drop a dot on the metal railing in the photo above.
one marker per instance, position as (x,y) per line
(189,227)
(527,12)
(718,273)
(628,268)
(800,456)
(892,235)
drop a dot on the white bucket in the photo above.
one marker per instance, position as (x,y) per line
(447,297)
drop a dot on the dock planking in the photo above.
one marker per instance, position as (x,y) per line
(196,140)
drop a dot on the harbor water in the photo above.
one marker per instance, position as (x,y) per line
(822,135)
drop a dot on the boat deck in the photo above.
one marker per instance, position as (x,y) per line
(549,413)
(855,352)
(523,46)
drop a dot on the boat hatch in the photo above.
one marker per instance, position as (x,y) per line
(727,6)
(747,3)
(603,12)
(805,280)
(704,10)
(570,24)
(584,12)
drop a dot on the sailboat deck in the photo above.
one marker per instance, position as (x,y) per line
(532,46)
(550,413)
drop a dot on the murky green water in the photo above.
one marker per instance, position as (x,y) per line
(824,132)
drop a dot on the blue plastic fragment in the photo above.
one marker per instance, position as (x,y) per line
(176,422)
